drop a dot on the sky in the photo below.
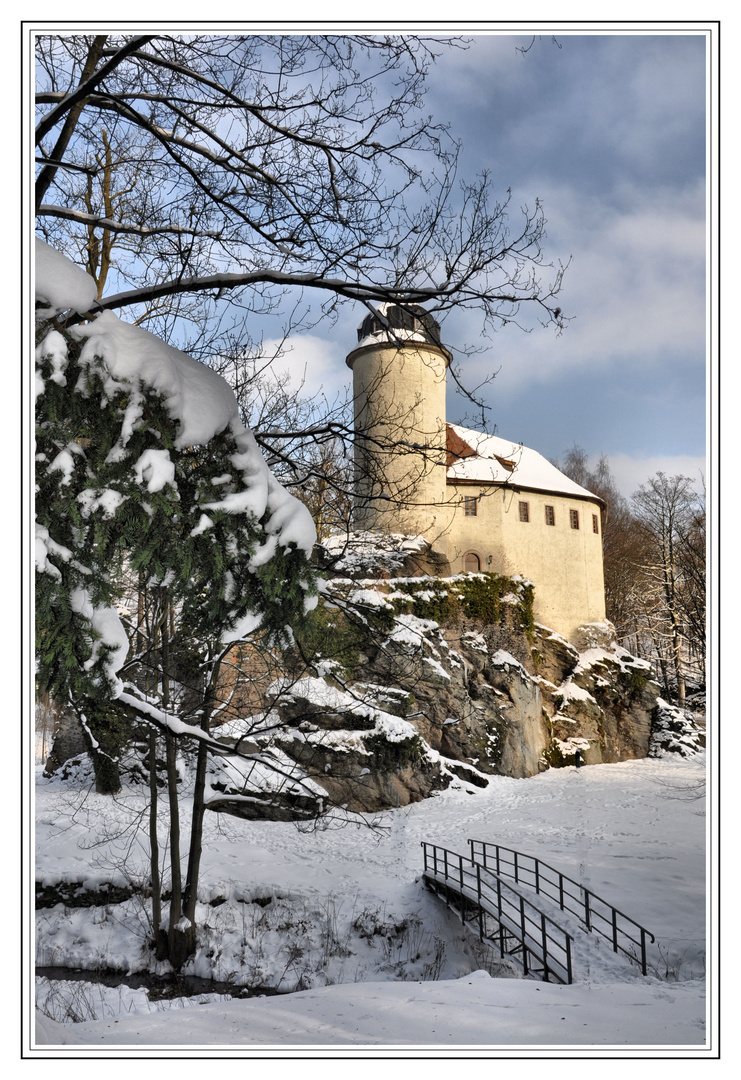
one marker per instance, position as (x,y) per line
(608,130)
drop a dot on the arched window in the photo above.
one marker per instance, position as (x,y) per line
(471,563)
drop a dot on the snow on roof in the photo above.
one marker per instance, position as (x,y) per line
(406,322)
(496,460)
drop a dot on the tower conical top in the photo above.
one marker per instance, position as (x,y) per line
(394,321)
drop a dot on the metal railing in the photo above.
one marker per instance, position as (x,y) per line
(625,934)
(545,947)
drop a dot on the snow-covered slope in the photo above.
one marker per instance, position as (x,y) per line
(356,914)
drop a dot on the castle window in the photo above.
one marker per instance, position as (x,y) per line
(574,518)
(472,563)
(595,523)
(550,515)
(470,505)
(524,511)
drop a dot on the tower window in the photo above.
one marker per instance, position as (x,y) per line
(550,515)
(524,511)
(595,524)
(574,518)
(470,505)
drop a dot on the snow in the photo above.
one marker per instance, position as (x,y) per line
(436,667)
(571,691)
(55,347)
(200,400)
(198,397)
(531,469)
(501,658)
(409,1015)
(369,598)
(156,469)
(44,547)
(410,630)
(371,552)
(61,284)
(107,632)
(624,830)
(105,499)
(64,463)
(330,698)
(392,335)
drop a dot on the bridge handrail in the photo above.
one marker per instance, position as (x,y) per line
(585,898)
(442,863)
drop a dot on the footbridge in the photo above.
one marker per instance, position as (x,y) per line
(501,894)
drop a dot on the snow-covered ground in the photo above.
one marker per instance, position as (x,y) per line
(343,914)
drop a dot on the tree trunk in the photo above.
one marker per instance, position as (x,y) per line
(160,942)
(199,805)
(678,664)
(105,731)
(196,838)
(180,932)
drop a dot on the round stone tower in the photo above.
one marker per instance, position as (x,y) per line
(399,368)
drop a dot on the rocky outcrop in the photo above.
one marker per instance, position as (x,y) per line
(600,701)
(440,679)
(674,732)
(465,695)
(484,697)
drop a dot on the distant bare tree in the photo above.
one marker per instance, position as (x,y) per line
(654,548)
(669,513)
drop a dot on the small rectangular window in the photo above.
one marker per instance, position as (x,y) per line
(524,511)
(550,515)
(595,523)
(470,505)
(574,518)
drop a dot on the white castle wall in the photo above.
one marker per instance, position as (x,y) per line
(401,485)
(399,405)
(564,564)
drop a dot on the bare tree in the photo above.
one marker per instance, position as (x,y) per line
(668,511)
(693,585)
(265,163)
(654,548)
(205,179)
(199,179)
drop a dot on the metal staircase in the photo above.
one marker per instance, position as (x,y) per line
(596,915)
(479,888)
(503,915)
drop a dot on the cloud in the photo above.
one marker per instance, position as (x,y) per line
(630,472)
(314,365)
(635,291)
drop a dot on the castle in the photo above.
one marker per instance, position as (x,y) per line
(481,503)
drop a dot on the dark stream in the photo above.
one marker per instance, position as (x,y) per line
(158,987)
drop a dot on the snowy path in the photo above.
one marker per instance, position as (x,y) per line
(473,1011)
